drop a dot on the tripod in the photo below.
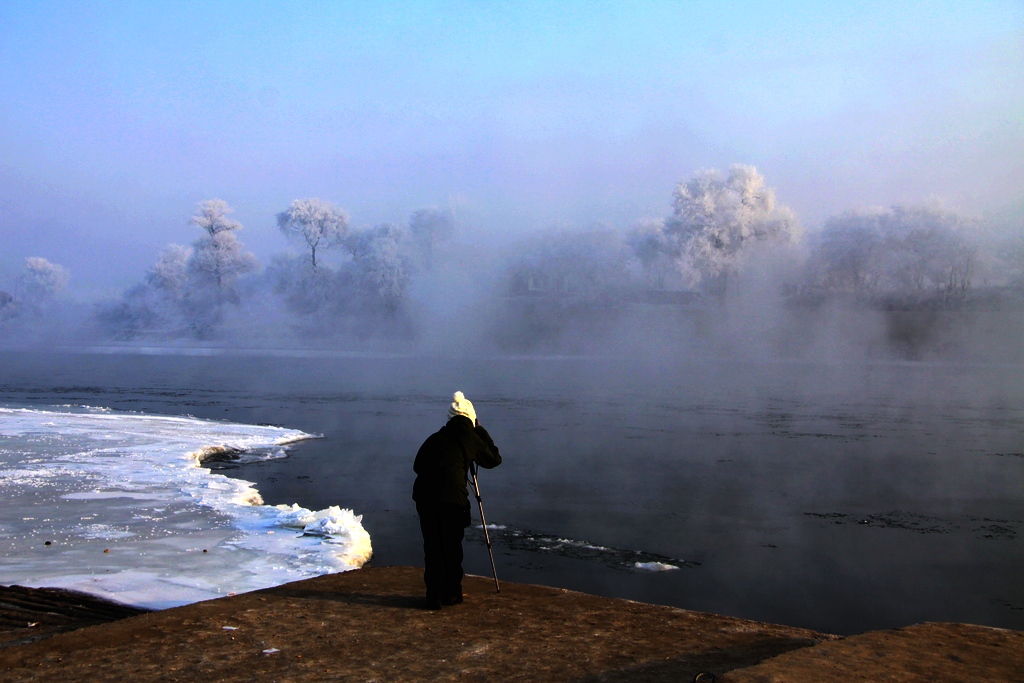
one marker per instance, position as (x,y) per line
(483,521)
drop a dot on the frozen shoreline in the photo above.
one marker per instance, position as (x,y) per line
(118,505)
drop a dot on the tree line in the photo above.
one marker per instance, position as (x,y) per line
(190,289)
(723,226)
(720,227)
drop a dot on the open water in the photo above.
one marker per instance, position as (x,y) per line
(837,497)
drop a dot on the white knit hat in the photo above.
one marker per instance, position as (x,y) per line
(461,406)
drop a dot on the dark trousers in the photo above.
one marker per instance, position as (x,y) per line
(443,527)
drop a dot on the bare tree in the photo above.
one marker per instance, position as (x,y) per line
(321,224)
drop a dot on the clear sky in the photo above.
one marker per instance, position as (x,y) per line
(117,117)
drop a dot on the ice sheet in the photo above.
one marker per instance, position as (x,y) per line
(116,504)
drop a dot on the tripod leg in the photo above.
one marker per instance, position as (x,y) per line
(483,521)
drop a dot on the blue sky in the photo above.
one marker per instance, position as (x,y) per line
(117,117)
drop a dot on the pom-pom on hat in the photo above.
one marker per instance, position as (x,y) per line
(461,406)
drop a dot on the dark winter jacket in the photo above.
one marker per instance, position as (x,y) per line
(443,461)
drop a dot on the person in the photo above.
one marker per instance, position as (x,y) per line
(442,498)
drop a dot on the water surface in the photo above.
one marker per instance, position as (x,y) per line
(837,497)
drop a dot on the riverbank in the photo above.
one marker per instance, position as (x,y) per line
(369,625)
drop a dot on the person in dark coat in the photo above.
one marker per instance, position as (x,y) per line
(442,497)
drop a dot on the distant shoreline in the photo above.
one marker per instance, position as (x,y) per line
(210,351)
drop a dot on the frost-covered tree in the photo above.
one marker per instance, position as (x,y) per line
(1011,260)
(170,273)
(647,242)
(714,222)
(159,304)
(927,250)
(40,280)
(916,251)
(8,306)
(320,224)
(429,227)
(573,266)
(565,286)
(305,290)
(846,255)
(184,291)
(218,258)
(381,271)
(212,216)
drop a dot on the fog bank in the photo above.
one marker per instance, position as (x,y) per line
(729,271)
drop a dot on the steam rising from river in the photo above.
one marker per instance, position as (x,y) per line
(729,272)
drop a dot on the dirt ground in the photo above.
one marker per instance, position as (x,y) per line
(370,625)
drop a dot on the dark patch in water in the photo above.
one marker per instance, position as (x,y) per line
(894,519)
(615,558)
(988,529)
(997,531)
(1007,604)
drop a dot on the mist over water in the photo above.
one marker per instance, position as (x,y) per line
(840,497)
(729,272)
(797,378)
(715,409)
